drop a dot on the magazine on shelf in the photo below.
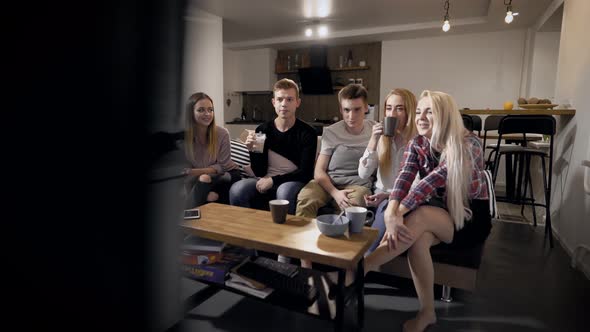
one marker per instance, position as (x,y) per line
(194,257)
(196,243)
(248,286)
(216,271)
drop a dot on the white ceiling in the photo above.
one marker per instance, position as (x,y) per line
(280,23)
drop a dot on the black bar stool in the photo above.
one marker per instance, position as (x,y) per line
(529,124)
(472,122)
(492,122)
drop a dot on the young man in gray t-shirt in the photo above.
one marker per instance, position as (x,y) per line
(336,178)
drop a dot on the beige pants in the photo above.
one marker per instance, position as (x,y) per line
(312,197)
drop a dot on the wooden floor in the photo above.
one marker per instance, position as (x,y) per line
(522,286)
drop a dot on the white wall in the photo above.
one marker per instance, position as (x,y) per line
(544,68)
(203,59)
(571,206)
(230,85)
(246,70)
(480,70)
(255,69)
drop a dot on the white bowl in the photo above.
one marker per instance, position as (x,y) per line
(328,225)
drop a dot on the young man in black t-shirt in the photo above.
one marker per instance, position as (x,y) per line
(287,161)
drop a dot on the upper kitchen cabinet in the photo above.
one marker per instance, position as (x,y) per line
(250,70)
(359,63)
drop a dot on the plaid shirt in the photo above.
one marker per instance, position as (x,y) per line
(433,175)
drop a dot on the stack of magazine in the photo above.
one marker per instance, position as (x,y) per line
(208,260)
(247,285)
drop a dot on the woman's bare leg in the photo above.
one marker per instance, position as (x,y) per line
(424,219)
(422,271)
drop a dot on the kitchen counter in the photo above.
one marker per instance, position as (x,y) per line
(555,111)
(244,122)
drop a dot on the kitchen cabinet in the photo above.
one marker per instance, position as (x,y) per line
(254,70)
(366,67)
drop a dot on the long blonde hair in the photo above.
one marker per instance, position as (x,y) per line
(191,128)
(408,131)
(448,133)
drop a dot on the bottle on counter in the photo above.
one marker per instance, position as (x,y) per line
(288,62)
(243,116)
(255,113)
(349,59)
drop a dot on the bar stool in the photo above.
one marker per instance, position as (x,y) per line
(492,122)
(529,124)
(472,122)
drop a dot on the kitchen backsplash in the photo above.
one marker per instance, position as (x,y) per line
(258,107)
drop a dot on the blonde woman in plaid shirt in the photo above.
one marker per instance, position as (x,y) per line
(449,204)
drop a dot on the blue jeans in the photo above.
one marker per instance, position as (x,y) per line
(379,224)
(243,193)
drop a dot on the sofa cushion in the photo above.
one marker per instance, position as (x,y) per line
(241,156)
(470,258)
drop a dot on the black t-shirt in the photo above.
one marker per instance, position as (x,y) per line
(298,144)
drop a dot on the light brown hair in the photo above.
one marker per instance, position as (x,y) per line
(191,128)
(407,133)
(286,84)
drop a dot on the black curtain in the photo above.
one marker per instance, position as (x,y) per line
(85,80)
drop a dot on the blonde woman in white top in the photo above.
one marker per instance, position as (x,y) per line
(385,154)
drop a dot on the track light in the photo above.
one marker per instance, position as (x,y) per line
(509,17)
(316,29)
(509,14)
(446,25)
(322,31)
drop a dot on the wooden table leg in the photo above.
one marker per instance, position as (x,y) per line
(339,319)
(360,293)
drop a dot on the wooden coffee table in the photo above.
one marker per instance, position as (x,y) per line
(298,237)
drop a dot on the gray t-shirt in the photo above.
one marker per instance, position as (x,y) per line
(345,150)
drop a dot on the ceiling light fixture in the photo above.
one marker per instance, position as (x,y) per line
(322,31)
(446,25)
(317,8)
(509,14)
(316,29)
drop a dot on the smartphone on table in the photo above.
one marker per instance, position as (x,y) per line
(192,214)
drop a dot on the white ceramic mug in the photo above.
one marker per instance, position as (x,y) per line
(358,217)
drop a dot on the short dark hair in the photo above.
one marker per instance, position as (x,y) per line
(286,84)
(353,91)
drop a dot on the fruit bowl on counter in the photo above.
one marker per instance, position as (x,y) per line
(537,106)
(535,103)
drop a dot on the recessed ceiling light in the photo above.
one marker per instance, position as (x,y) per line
(322,31)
